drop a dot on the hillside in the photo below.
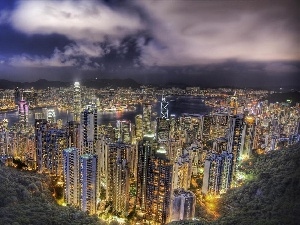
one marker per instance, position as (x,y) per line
(272,196)
(25,199)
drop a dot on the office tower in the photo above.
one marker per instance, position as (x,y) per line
(146,148)
(162,130)
(218,171)
(50,143)
(183,205)
(182,172)
(138,127)
(23,112)
(72,133)
(71,176)
(147,118)
(88,130)
(77,101)
(164,111)
(51,117)
(235,138)
(159,188)
(124,131)
(88,183)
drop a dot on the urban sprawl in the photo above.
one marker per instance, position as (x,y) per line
(142,171)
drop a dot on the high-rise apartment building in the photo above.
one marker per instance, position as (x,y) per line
(71,176)
(182,205)
(159,188)
(235,138)
(146,148)
(218,171)
(88,130)
(88,183)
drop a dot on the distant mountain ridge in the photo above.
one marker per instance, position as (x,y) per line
(92,83)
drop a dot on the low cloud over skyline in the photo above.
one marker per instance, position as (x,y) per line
(144,37)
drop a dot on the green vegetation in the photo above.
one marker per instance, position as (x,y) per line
(25,198)
(271,196)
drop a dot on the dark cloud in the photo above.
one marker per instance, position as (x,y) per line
(179,40)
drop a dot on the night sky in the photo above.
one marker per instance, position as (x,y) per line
(239,42)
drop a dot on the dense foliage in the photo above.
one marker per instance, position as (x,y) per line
(272,196)
(25,198)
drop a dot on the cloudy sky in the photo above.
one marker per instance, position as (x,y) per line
(222,42)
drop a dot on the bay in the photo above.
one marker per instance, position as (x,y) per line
(177,106)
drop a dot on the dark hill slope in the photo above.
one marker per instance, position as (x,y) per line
(25,199)
(272,197)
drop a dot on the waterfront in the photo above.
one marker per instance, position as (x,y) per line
(177,106)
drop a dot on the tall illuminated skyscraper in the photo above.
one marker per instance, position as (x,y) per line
(88,130)
(235,138)
(159,188)
(118,177)
(146,118)
(72,130)
(138,127)
(164,110)
(88,183)
(71,176)
(146,149)
(77,101)
(23,112)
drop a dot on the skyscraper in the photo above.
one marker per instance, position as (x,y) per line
(88,130)
(218,171)
(77,101)
(23,112)
(164,111)
(146,148)
(159,188)
(88,183)
(235,138)
(72,130)
(71,176)
(183,205)
(146,118)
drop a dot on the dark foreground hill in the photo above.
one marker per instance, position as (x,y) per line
(272,196)
(25,199)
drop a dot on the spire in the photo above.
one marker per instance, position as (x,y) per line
(164,111)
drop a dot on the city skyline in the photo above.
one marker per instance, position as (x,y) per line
(237,43)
